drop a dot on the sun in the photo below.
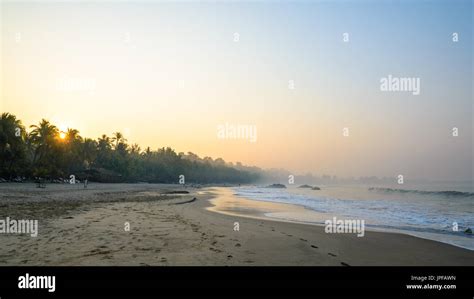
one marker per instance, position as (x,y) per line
(62,135)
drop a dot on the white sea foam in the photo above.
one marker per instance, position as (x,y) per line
(423,215)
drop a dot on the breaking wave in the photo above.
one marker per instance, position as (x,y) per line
(422,192)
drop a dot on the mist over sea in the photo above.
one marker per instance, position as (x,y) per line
(426,210)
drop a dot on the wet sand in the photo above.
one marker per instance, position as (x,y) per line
(87,227)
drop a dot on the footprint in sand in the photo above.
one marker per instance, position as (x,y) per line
(345,264)
(229,256)
(331,254)
(304,240)
(237,245)
(314,246)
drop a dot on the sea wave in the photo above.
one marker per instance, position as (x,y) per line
(423,192)
(421,216)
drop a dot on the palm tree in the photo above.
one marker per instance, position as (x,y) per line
(147,152)
(105,153)
(12,146)
(118,138)
(122,148)
(135,149)
(51,156)
(9,126)
(104,143)
(72,135)
(71,151)
(88,152)
(42,137)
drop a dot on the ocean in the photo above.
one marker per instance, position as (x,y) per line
(440,212)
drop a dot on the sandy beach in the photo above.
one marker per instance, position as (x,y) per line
(87,227)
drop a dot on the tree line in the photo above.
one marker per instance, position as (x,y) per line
(46,152)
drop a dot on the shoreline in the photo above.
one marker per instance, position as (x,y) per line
(294,213)
(86,228)
(372,232)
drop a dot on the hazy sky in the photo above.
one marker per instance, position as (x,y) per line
(169,73)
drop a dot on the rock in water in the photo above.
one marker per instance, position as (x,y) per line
(276,186)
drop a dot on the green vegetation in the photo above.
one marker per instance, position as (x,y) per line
(50,154)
